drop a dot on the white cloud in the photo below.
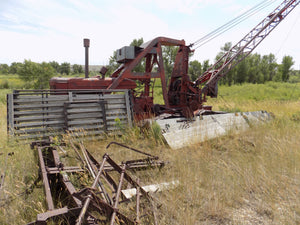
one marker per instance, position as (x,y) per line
(53,30)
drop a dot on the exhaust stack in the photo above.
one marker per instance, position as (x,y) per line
(86,44)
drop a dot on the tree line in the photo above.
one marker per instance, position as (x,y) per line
(37,75)
(253,69)
(63,68)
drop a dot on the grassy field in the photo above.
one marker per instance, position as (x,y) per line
(11,81)
(247,178)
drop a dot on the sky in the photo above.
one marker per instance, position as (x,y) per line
(50,30)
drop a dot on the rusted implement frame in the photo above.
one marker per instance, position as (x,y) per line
(43,217)
(46,171)
(99,205)
(89,196)
(57,169)
(151,160)
(93,172)
(138,164)
(111,210)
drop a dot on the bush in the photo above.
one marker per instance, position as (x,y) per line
(36,75)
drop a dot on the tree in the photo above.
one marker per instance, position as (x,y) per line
(112,65)
(285,68)
(195,69)
(77,69)
(36,75)
(55,65)
(4,69)
(141,66)
(273,66)
(169,53)
(229,78)
(205,65)
(137,42)
(65,68)
(46,71)
(254,70)
(14,67)
(241,70)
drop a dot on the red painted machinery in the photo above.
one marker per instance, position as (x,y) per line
(180,94)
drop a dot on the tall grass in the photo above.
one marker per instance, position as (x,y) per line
(248,178)
(11,81)
(18,205)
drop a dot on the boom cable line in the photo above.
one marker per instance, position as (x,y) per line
(217,32)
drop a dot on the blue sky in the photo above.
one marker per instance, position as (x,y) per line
(54,29)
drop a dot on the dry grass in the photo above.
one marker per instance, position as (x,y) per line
(250,178)
(247,178)
(20,170)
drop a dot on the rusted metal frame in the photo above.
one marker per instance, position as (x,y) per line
(116,203)
(129,107)
(130,148)
(137,219)
(101,206)
(163,76)
(43,217)
(44,173)
(77,153)
(140,161)
(131,164)
(67,169)
(154,211)
(126,175)
(126,72)
(93,171)
(65,178)
(142,76)
(135,184)
(89,197)
(95,164)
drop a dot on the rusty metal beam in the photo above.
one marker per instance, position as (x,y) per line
(65,178)
(89,197)
(116,203)
(44,173)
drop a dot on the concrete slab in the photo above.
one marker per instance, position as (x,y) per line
(180,132)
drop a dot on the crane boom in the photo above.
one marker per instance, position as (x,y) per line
(243,48)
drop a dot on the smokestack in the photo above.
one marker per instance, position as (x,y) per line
(86,44)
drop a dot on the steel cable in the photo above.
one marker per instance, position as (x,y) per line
(217,32)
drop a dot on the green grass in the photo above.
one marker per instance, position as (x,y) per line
(247,178)
(261,92)
(11,81)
